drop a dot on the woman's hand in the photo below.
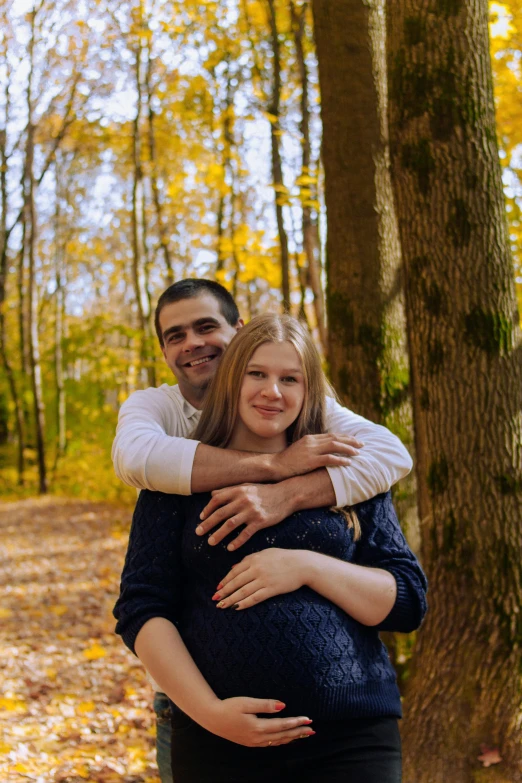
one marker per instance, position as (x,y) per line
(236,720)
(261,576)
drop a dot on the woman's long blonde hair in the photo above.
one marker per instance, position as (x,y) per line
(218,418)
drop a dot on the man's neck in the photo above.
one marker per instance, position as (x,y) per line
(194,397)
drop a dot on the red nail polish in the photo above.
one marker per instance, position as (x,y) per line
(219,587)
(311,733)
(280,706)
(216,597)
(307,722)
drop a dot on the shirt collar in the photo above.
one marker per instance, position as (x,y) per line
(188,410)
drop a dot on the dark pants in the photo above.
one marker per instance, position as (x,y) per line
(365,750)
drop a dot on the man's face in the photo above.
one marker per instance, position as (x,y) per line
(195,336)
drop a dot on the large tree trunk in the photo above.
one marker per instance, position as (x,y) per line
(367,333)
(465,691)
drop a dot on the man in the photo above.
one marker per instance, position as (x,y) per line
(195,321)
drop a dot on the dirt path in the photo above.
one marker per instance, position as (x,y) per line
(74,703)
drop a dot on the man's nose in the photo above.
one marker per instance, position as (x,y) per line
(193,341)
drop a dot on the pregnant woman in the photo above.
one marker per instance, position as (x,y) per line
(289,624)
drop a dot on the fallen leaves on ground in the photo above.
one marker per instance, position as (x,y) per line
(489,756)
(75,704)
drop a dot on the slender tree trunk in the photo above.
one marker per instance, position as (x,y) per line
(30,220)
(153,176)
(138,196)
(3,285)
(466,352)
(277,166)
(308,186)
(61,438)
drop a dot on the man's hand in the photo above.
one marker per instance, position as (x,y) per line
(236,719)
(262,575)
(312,452)
(255,505)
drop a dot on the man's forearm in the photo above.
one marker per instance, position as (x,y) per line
(215,468)
(312,490)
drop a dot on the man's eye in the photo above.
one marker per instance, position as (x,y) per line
(207,328)
(174,338)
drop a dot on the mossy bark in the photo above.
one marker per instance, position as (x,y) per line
(367,349)
(466,358)
(364,298)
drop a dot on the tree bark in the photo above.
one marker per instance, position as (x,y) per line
(30,220)
(13,388)
(466,353)
(308,189)
(153,176)
(274,110)
(59,245)
(138,226)
(367,332)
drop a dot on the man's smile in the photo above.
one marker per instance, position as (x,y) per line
(201,360)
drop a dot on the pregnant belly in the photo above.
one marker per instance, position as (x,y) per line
(286,644)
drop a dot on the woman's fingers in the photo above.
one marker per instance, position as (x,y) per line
(289,735)
(246,596)
(282,725)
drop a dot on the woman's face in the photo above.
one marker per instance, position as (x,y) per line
(272,392)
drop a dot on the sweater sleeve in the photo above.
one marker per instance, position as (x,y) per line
(380,463)
(151,579)
(383,545)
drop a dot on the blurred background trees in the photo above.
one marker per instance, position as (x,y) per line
(142,142)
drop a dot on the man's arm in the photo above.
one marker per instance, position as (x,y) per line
(378,466)
(149,452)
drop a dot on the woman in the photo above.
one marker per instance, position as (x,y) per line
(288,623)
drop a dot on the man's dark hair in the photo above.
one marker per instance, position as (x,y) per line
(187,289)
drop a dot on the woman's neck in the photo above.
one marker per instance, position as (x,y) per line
(245,440)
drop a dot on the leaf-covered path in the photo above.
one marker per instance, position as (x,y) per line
(74,703)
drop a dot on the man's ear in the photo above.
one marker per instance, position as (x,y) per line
(239,324)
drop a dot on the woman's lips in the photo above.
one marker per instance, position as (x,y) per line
(268,412)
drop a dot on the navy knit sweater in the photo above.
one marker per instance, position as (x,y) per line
(299,647)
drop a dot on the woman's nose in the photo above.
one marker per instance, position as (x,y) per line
(271,390)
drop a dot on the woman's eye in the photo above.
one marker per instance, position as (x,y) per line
(289,379)
(255,373)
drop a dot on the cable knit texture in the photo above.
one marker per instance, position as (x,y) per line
(299,647)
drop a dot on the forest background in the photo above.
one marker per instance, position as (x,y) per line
(313,162)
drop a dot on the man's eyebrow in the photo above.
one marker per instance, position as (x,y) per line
(284,372)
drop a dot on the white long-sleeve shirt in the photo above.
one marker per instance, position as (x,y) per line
(152,448)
